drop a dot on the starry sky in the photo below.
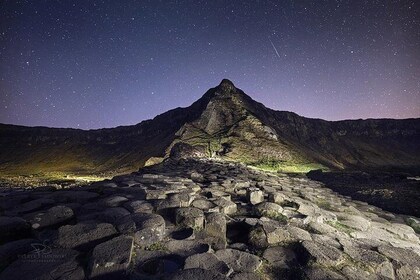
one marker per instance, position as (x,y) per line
(93,64)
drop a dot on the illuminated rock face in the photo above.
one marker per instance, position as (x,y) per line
(224,123)
(198,218)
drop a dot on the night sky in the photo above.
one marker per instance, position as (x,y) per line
(93,64)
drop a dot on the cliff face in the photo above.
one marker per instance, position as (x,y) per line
(225,122)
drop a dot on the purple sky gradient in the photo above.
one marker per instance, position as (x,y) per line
(94,64)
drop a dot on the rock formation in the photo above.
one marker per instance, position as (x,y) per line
(193,218)
(224,123)
(201,209)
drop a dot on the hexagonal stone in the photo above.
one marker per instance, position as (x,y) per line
(155,194)
(207,261)
(254,195)
(203,204)
(114,201)
(268,209)
(111,259)
(114,215)
(189,217)
(168,203)
(219,194)
(269,233)
(277,197)
(356,222)
(187,248)
(298,233)
(185,198)
(239,261)
(321,254)
(139,206)
(215,228)
(52,217)
(226,206)
(280,257)
(84,236)
(400,255)
(30,206)
(147,228)
(197,177)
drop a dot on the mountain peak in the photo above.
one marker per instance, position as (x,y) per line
(226,86)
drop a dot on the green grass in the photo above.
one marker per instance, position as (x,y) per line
(278,217)
(286,166)
(275,216)
(322,203)
(412,223)
(341,227)
(47,178)
(156,247)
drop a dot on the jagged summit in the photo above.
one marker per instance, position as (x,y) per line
(226,86)
(224,122)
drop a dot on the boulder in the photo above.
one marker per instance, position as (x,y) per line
(189,217)
(354,221)
(254,195)
(215,228)
(155,194)
(111,259)
(268,233)
(239,261)
(114,215)
(147,228)
(114,201)
(84,236)
(186,248)
(280,257)
(204,204)
(197,177)
(31,206)
(321,254)
(139,206)
(225,206)
(207,261)
(400,255)
(52,217)
(269,209)
(277,197)
(298,234)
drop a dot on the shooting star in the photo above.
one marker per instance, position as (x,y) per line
(274,47)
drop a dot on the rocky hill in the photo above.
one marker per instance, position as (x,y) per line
(205,208)
(226,123)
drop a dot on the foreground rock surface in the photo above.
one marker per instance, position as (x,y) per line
(202,219)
